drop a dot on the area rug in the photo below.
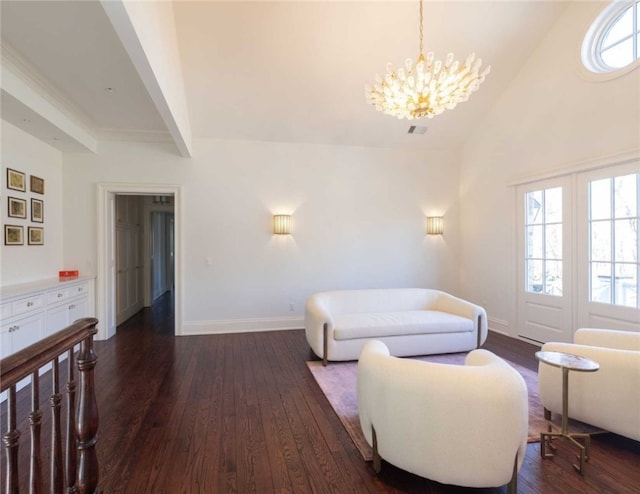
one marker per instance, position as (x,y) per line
(338,383)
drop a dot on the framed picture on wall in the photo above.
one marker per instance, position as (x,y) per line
(36,235)
(37,184)
(13,235)
(37,211)
(16,180)
(17,208)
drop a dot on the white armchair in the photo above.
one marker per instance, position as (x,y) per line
(464,425)
(608,398)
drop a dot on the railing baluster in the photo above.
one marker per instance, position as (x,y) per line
(87,424)
(71,452)
(57,481)
(80,463)
(10,440)
(35,422)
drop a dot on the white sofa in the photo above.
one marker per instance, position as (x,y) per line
(410,321)
(465,425)
(608,398)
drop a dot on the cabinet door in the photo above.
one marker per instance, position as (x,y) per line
(5,342)
(27,331)
(78,309)
(57,319)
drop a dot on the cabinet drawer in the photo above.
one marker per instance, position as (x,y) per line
(5,311)
(27,304)
(79,289)
(57,296)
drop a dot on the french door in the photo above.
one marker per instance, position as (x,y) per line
(545,260)
(609,269)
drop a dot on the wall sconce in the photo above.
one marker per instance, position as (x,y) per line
(435,225)
(282,224)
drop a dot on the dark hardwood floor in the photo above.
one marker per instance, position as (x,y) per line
(240,413)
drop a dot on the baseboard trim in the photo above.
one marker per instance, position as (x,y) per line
(499,326)
(225,326)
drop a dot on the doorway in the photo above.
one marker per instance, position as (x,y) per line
(161,199)
(161,250)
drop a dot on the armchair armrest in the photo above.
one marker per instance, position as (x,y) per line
(608,338)
(608,398)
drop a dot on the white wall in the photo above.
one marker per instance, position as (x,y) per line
(22,152)
(358,221)
(551,117)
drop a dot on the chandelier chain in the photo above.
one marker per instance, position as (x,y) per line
(421,32)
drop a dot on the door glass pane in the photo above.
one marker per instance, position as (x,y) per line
(625,197)
(626,235)
(626,285)
(543,241)
(614,238)
(534,276)
(533,207)
(600,198)
(601,241)
(553,244)
(534,242)
(601,282)
(553,278)
(553,205)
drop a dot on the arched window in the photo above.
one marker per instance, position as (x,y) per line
(612,43)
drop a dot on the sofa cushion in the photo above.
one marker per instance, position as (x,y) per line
(380,324)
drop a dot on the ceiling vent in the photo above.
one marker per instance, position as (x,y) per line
(417,129)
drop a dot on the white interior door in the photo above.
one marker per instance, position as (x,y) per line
(545,287)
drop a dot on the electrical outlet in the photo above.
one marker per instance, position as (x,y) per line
(291,308)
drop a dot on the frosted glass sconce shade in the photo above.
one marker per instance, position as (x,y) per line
(435,225)
(282,224)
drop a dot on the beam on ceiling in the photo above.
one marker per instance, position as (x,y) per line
(147,32)
(35,101)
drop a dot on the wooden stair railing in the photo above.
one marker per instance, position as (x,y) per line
(78,471)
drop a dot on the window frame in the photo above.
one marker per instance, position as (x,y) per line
(591,57)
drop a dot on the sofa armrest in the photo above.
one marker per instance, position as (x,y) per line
(463,308)
(608,338)
(317,315)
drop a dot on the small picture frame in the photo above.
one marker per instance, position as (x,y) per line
(13,235)
(37,184)
(16,180)
(37,211)
(35,235)
(17,208)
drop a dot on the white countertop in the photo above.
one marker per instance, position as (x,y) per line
(10,291)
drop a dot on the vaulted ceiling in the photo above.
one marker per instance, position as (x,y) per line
(275,71)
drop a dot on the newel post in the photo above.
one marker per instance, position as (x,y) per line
(87,418)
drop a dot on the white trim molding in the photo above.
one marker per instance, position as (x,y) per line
(105,282)
(499,326)
(578,167)
(224,326)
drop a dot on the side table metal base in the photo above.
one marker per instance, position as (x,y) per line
(547,438)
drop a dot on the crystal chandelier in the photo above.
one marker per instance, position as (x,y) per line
(427,88)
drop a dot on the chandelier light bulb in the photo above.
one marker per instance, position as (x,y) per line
(427,88)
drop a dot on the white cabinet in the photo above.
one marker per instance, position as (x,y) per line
(34,311)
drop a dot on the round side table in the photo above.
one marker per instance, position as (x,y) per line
(567,362)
